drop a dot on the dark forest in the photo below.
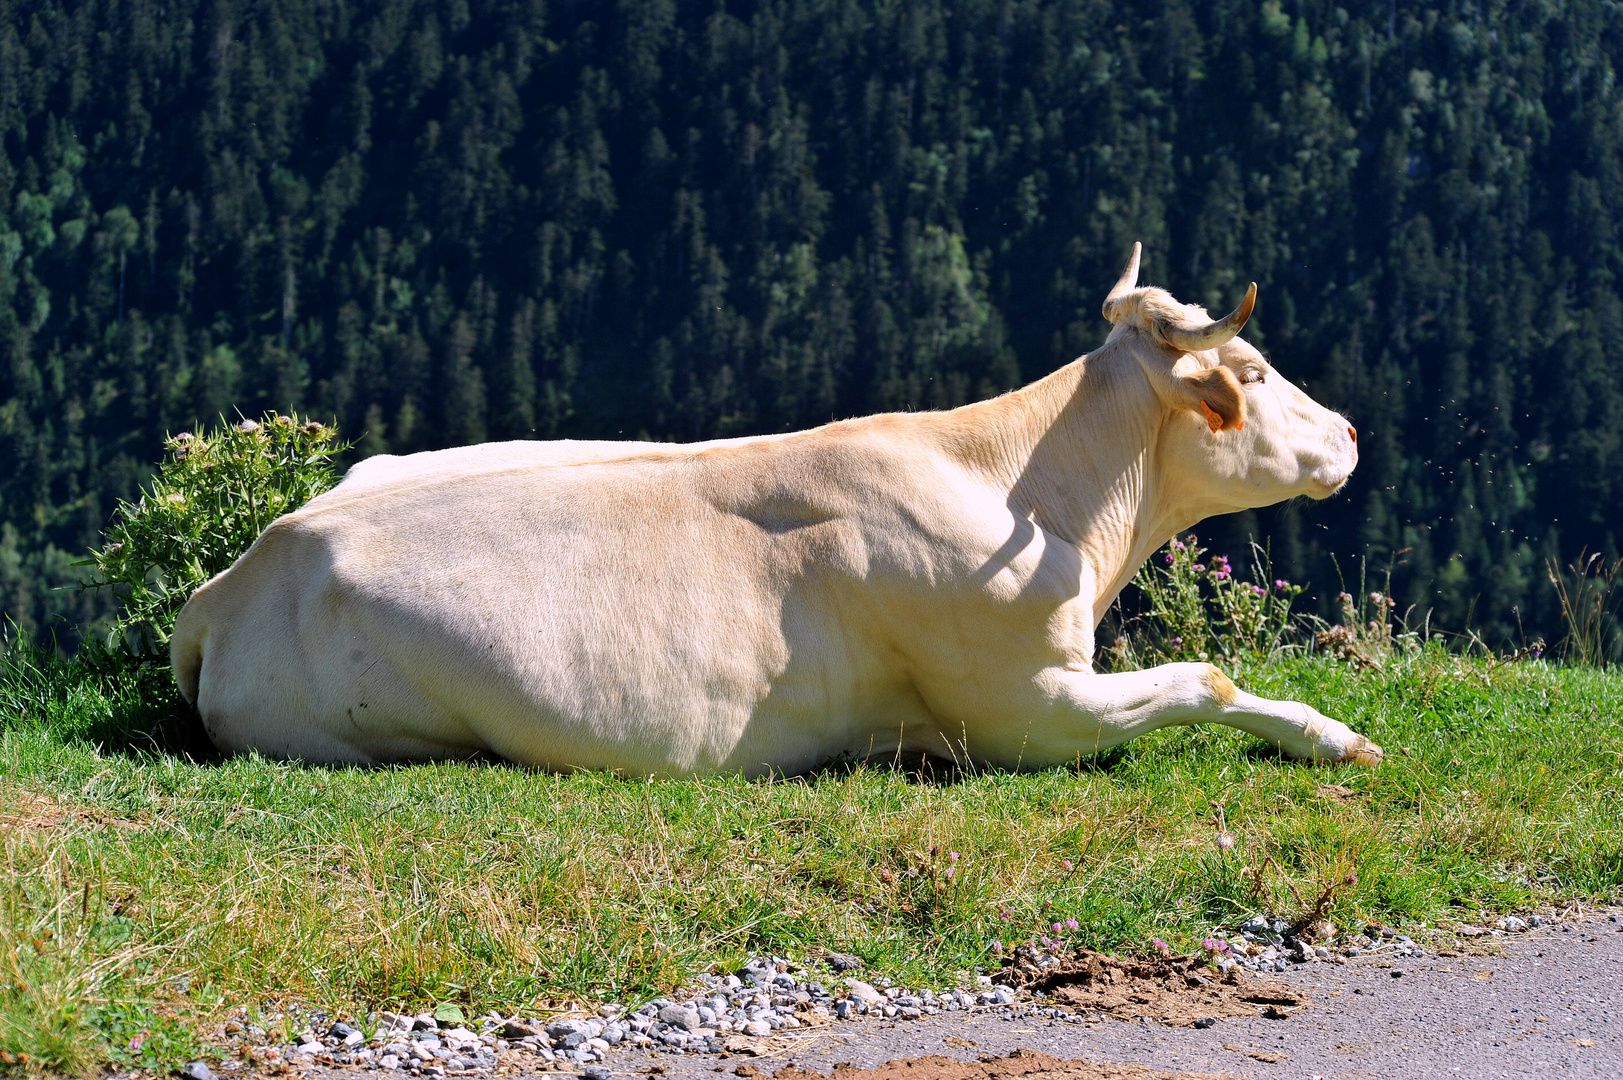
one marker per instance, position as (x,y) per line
(438,222)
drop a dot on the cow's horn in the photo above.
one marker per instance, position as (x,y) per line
(1128,282)
(1210,336)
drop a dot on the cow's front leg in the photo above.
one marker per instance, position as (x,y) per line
(1299,730)
(1092,712)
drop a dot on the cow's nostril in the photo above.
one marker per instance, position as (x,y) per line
(1352,431)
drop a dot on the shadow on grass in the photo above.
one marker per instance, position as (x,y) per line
(153,728)
(124,707)
(1261,752)
(916,768)
(927,769)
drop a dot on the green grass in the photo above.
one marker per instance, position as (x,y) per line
(132,865)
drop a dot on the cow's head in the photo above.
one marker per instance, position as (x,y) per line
(1236,433)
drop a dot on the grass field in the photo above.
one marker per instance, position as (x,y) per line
(147,891)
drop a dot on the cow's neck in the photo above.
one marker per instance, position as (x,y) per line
(1076,452)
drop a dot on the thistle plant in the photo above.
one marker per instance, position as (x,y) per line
(211,498)
(1371,631)
(1199,608)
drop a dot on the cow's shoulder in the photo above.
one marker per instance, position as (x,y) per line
(909,502)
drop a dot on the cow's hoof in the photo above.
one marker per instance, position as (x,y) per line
(1364,753)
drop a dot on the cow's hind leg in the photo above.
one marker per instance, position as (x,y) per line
(1090,712)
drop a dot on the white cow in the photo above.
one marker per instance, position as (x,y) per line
(897,583)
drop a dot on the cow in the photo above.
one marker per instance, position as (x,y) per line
(905,583)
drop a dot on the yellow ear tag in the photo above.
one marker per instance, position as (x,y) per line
(1213,420)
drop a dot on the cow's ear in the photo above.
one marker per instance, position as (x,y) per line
(1216,395)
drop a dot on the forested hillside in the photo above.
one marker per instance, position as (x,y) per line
(444,221)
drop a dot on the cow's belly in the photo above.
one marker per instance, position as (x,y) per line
(407,636)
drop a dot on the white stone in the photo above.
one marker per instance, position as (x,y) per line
(682,1016)
(863,992)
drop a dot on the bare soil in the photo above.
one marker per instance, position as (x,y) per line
(1177,991)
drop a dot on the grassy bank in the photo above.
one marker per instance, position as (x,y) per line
(146,890)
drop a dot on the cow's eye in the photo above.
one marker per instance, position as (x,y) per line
(1252,376)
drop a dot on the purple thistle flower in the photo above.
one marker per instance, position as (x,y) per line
(1072,924)
(1161,947)
(1005,914)
(1280,583)
(1047,941)
(1199,567)
(1222,573)
(1169,560)
(1260,590)
(1210,944)
(952,856)
(1067,864)
(997,946)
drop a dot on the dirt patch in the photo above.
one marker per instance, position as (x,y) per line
(31,812)
(1024,1064)
(1175,990)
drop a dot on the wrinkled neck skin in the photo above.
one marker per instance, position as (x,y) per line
(1077,452)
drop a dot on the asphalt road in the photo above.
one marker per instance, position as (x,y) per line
(1545,1003)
